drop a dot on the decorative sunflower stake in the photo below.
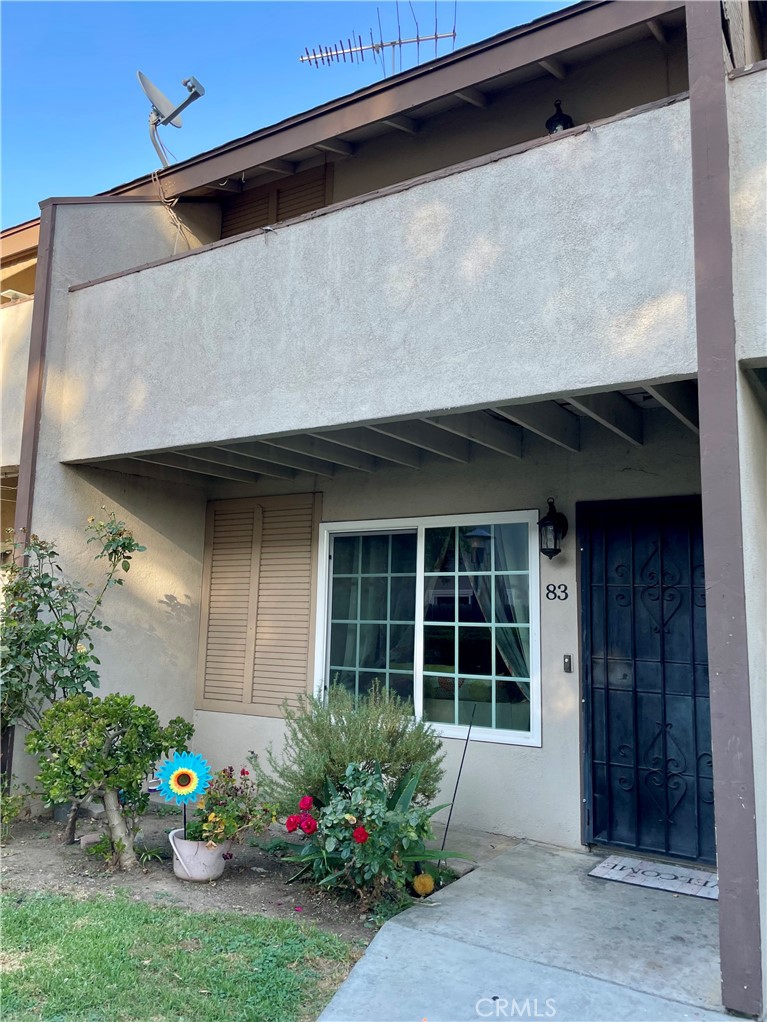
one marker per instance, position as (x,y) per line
(183,779)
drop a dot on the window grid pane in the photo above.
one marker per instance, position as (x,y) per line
(509,644)
(372,563)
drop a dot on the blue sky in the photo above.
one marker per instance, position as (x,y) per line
(74,120)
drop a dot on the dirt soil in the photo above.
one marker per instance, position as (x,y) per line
(254,882)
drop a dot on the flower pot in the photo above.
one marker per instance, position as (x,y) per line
(194,860)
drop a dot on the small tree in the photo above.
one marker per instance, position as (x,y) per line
(104,747)
(45,637)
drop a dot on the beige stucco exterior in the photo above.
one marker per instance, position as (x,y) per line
(747,113)
(457,273)
(15,325)
(476,287)
(476,297)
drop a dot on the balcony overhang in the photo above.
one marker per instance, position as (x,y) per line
(412,443)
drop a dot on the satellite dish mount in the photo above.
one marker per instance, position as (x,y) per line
(163,111)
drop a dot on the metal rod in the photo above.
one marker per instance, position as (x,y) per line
(457,782)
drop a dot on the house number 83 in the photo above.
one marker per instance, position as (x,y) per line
(556,592)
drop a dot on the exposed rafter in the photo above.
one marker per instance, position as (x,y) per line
(484,430)
(370,442)
(681,399)
(318,447)
(472,96)
(282,167)
(231,459)
(227,186)
(187,464)
(613,411)
(658,32)
(554,67)
(402,123)
(278,456)
(427,437)
(336,146)
(546,419)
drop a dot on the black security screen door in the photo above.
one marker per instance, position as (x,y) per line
(647,730)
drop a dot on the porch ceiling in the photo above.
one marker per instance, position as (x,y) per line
(411,443)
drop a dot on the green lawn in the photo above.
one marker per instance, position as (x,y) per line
(117,960)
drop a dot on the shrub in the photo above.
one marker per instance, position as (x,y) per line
(322,739)
(13,804)
(45,635)
(104,747)
(365,839)
(231,804)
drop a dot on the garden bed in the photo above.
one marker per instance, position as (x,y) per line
(254,882)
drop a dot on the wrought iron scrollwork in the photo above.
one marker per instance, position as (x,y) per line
(664,780)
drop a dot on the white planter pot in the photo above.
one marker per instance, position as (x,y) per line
(193,860)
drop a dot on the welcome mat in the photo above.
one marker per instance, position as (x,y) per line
(665,877)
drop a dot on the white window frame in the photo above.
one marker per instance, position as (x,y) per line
(322,632)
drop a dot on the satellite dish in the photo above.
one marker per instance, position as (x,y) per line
(163,111)
(159,100)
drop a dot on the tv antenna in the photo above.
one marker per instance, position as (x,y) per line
(354,50)
(163,111)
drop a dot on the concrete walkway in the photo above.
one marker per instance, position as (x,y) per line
(529,935)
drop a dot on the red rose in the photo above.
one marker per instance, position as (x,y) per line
(360,835)
(306,802)
(292,823)
(308,825)
(244,772)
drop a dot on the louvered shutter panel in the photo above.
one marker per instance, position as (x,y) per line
(295,198)
(232,579)
(281,200)
(258,603)
(246,213)
(283,627)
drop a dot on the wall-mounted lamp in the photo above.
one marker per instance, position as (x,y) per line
(559,121)
(552,529)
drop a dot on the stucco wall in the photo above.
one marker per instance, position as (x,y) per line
(752,425)
(15,323)
(747,115)
(568,266)
(509,789)
(152,648)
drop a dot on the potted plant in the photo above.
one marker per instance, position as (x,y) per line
(228,805)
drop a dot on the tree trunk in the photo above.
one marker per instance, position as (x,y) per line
(68,834)
(122,839)
(6,755)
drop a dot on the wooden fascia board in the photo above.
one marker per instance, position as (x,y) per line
(386,100)
(17,242)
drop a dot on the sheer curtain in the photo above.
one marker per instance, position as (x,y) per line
(508,640)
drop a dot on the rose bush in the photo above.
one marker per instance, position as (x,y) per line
(363,838)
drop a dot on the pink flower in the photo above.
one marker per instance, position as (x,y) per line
(292,823)
(308,824)
(306,802)
(360,835)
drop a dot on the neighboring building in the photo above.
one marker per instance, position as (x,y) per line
(336,437)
